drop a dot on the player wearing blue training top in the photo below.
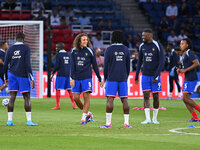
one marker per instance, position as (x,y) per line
(3,49)
(173,76)
(151,56)
(116,72)
(82,57)
(190,64)
(62,67)
(17,69)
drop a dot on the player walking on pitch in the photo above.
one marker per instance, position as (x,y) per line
(62,67)
(82,57)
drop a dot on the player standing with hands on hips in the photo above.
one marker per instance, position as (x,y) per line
(151,56)
(82,57)
(17,69)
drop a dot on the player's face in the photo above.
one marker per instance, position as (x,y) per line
(84,41)
(146,36)
(183,45)
(5,46)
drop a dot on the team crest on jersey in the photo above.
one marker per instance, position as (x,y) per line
(153,49)
(86,54)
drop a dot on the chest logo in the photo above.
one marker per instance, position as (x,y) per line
(86,54)
(153,49)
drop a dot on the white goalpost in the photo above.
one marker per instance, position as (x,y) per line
(33,31)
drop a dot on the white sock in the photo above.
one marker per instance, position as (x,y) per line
(126,119)
(170,94)
(10,116)
(83,116)
(155,114)
(147,113)
(28,116)
(108,118)
(179,95)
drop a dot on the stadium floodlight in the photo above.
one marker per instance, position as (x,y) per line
(33,31)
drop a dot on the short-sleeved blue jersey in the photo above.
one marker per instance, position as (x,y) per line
(151,56)
(188,57)
(116,63)
(62,64)
(81,61)
(17,61)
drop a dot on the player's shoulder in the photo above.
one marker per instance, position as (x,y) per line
(91,51)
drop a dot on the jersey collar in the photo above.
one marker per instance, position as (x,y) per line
(18,43)
(62,51)
(2,50)
(117,44)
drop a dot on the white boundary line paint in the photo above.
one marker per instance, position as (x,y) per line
(176,130)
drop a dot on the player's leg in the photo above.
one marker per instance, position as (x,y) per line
(3,86)
(111,88)
(156,107)
(59,84)
(179,88)
(57,107)
(171,79)
(72,99)
(146,88)
(27,106)
(78,101)
(11,107)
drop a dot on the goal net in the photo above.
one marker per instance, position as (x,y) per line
(33,31)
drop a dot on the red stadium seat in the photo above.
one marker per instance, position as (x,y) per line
(15,15)
(5,14)
(25,14)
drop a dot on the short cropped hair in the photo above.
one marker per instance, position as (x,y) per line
(20,35)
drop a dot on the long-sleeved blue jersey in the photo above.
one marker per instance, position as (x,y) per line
(2,56)
(116,63)
(62,64)
(81,61)
(17,61)
(151,56)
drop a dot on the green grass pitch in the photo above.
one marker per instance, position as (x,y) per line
(61,129)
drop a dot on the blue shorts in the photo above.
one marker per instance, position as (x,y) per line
(20,84)
(112,87)
(62,83)
(147,84)
(189,86)
(82,86)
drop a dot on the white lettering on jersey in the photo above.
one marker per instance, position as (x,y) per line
(16,54)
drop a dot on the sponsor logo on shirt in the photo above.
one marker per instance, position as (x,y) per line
(16,54)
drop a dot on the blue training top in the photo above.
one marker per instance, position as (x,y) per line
(81,61)
(188,57)
(62,64)
(151,56)
(17,61)
(116,63)
(2,56)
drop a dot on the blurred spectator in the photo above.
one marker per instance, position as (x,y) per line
(9,4)
(189,28)
(47,5)
(100,25)
(100,59)
(97,41)
(197,30)
(137,41)
(55,19)
(40,16)
(61,11)
(175,26)
(134,58)
(182,25)
(129,42)
(172,11)
(183,10)
(63,21)
(163,27)
(182,35)
(84,20)
(37,5)
(71,21)
(172,38)
(109,26)
(196,8)
(69,13)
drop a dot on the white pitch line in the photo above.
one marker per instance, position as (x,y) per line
(176,130)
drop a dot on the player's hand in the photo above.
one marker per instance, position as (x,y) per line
(72,83)
(178,70)
(154,81)
(6,82)
(136,82)
(101,84)
(32,84)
